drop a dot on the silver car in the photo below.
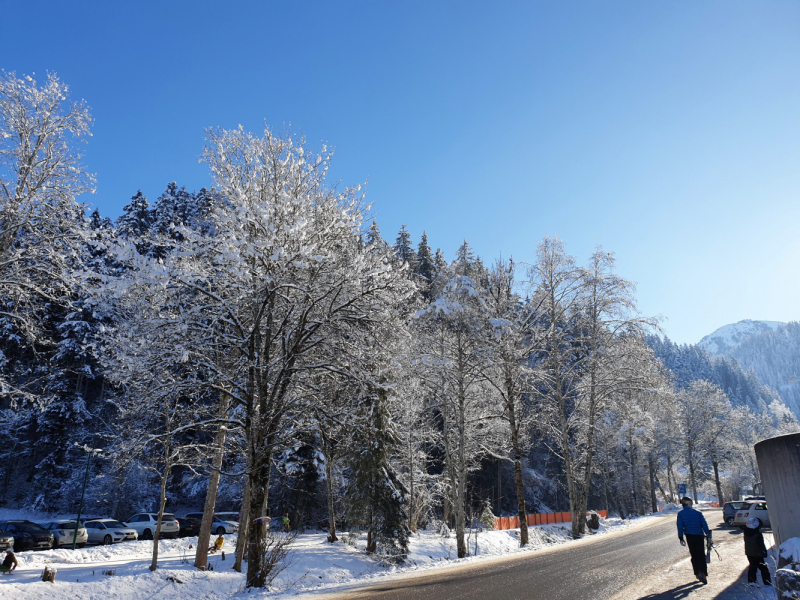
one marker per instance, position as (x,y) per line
(6,540)
(128,532)
(99,533)
(219,525)
(63,532)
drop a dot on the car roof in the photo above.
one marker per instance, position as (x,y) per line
(63,520)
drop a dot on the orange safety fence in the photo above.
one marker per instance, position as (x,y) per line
(502,523)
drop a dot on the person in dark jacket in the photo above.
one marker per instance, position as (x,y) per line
(692,524)
(756,551)
(9,562)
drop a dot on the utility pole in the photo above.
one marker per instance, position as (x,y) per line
(89,452)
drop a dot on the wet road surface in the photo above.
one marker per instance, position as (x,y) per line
(593,570)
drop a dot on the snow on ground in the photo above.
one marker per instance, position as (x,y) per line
(727,576)
(314,565)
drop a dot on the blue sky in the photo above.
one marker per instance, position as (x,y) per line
(667,132)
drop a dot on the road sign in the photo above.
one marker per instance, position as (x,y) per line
(681,489)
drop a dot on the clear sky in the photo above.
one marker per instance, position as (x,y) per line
(667,132)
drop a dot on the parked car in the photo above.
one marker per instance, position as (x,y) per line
(28,535)
(228,516)
(63,532)
(189,526)
(729,512)
(98,533)
(219,525)
(749,510)
(145,525)
(128,532)
(6,540)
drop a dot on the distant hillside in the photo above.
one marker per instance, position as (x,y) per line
(774,356)
(728,337)
(690,362)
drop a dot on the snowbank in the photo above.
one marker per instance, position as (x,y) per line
(315,564)
(790,550)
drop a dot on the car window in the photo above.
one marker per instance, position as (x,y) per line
(168,517)
(761,506)
(745,506)
(29,527)
(91,525)
(134,519)
(114,525)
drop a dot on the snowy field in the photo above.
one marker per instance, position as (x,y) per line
(316,565)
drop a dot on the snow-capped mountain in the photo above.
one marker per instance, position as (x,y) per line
(728,337)
(769,349)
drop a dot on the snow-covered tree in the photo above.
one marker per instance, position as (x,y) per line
(403,248)
(283,276)
(451,336)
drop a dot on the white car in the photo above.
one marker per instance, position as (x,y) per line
(128,532)
(98,533)
(145,525)
(753,509)
(63,532)
(219,526)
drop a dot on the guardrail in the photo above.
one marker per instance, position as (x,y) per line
(501,523)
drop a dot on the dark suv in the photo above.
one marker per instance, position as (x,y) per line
(28,535)
(729,512)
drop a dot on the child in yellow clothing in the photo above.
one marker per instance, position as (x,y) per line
(217,544)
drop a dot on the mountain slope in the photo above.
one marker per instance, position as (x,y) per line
(691,362)
(728,337)
(774,356)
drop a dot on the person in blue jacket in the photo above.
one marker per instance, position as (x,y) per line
(692,525)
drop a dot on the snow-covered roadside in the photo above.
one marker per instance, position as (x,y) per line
(315,565)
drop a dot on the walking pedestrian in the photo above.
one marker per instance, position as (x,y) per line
(286,521)
(692,524)
(756,551)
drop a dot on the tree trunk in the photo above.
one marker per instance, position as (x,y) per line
(259,482)
(460,495)
(716,480)
(669,479)
(694,484)
(331,512)
(244,526)
(632,461)
(412,520)
(569,471)
(204,536)
(157,534)
(653,500)
(587,467)
(521,510)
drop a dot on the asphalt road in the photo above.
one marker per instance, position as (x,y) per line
(587,570)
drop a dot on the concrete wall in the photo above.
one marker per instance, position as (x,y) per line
(779,463)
